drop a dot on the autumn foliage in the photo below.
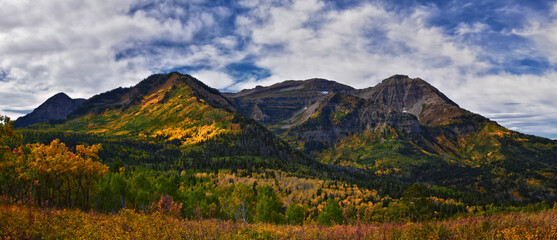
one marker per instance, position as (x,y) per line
(59,191)
(18,222)
(166,206)
(48,175)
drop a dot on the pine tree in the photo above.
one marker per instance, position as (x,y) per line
(331,213)
(269,206)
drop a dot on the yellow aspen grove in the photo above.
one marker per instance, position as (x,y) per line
(49,175)
(64,178)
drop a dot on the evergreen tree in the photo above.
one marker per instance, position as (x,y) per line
(331,213)
(269,206)
(295,214)
(420,207)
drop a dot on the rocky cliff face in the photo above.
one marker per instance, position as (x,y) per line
(340,115)
(56,107)
(278,106)
(315,114)
(417,97)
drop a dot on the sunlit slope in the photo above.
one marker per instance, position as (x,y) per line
(179,110)
(171,112)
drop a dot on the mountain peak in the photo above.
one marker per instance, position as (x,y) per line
(60,95)
(414,96)
(397,77)
(405,81)
(123,98)
(54,108)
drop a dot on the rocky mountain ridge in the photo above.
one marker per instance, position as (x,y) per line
(282,101)
(403,129)
(320,112)
(55,108)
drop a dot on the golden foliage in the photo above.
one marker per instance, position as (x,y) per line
(173,112)
(307,191)
(191,135)
(52,174)
(18,222)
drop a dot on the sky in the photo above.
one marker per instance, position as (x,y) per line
(492,57)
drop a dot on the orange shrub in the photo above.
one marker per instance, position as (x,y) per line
(18,222)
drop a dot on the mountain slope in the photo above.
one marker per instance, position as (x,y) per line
(339,115)
(407,129)
(54,108)
(414,96)
(178,110)
(279,105)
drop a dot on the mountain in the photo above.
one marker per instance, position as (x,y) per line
(152,90)
(55,108)
(277,106)
(316,113)
(401,131)
(406,128)
(417,97)
(174,118)
(162,105)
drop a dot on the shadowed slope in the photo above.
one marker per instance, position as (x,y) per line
(54,108)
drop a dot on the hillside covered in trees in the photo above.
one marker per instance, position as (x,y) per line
(399,152)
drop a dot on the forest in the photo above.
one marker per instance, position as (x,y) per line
(118,177)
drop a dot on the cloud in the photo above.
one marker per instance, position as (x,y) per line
(214,79)
(542,31)
(364,44)
(80,47)
(478,27)
(521,102)
(358,46)
(484,54)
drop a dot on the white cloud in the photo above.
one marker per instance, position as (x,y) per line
(229,42)
(90,46)
(361,46)
(542,31)
(357,46)
(72,46)
(214,79)
(248,3)
(522,102)
(478,27)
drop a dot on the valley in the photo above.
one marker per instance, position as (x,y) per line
(297,152)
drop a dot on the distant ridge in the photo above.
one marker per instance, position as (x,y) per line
(403,128)
(282,101)
(55,108)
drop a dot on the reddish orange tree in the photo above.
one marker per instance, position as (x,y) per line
(166,206)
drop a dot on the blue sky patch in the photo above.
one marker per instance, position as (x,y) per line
(483,54)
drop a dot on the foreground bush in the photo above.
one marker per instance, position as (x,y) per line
(34,223)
